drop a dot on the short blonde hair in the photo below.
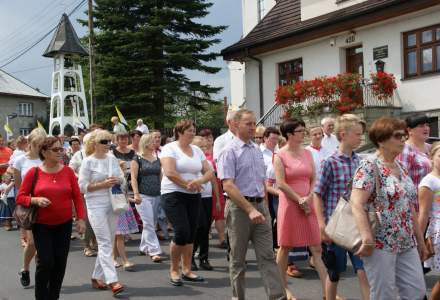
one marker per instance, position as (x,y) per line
(114,118)
(96,136)
(146,139)
(345,123)
(435,147)
(36,137)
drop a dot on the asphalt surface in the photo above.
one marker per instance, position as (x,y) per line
(150,280)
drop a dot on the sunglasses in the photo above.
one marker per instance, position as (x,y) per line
(105,142)
(57,149)
(258,137)
(400,135)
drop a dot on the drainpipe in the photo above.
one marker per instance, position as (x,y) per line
(260,81)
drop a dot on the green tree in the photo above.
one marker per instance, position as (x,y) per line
(143,48)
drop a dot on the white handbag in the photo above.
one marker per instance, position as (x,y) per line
(341,227)
(117,196)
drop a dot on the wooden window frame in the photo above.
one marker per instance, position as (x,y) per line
(418,48)
(290,76)
(25,131)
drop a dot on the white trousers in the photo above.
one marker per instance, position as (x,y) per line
(391,274)
(149,242)
(103,221)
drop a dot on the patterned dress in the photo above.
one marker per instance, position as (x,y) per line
(126,221)
(433,183)
(395,233)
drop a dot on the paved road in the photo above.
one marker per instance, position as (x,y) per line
(150,279)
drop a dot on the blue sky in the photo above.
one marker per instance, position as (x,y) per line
(23,22)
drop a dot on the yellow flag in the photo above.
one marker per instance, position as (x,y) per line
(121,117)
(8,129)
(39,125)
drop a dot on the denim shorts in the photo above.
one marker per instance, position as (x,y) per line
(335,259)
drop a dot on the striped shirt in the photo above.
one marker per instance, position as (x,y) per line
(336,173)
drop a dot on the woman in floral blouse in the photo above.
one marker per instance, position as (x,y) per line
(391,255)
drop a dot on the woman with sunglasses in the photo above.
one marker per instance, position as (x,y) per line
(52,187)
(391,255)
(95,182)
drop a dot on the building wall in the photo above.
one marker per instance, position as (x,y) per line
(327,57)
(314,8)
(237,78)
(9,105)
(250,13)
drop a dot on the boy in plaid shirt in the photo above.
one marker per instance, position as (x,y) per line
(337,171)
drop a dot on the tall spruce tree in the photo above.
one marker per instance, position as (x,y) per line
(143,48)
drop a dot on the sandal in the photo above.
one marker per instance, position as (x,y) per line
(128,266)
(98,284)
(116,288)
(117,264)
(292,271)
(89,252)
(156,259)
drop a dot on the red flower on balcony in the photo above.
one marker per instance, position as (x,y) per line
(383,85)
(282,95)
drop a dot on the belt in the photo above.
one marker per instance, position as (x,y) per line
(254,199)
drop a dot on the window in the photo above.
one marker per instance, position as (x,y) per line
(290,71)
(421,50)
(25,109)
(25,131)
(261,10)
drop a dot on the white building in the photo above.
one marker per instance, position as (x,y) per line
(304,39)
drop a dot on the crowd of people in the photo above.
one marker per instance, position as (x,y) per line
(275,187)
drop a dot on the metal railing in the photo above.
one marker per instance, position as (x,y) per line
(274,116)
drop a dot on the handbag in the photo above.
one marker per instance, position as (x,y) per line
(117,196)
(26,216)
(341,227)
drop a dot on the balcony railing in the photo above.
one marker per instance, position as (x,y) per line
(275,114)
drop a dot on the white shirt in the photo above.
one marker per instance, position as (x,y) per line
(318,157)
(76,160)
(23,164)
(143,128)
(188,167)
(95,170)
(330,144)
(119,128)
(16,154)
(207,187)
(267,155)
(11,193)
(220,143)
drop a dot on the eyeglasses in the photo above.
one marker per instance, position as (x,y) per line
(400,135)
(258,137)
(57,149)
(105,142)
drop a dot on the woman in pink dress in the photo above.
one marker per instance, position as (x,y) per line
(297,222)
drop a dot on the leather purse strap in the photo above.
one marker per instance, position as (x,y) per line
(34,181)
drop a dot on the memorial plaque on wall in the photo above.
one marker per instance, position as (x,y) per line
(380,52)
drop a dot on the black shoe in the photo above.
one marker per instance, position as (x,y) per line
(193,279)
(25,279)
(194,265)
(142,253)
(205,265)
(176,282)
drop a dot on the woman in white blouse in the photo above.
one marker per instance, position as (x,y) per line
(185,170)
(95,183)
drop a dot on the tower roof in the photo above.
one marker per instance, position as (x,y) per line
(65,40)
